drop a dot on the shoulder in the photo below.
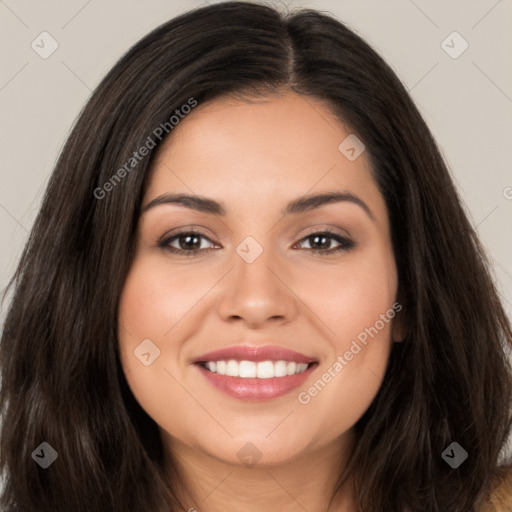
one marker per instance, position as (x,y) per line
(500,497)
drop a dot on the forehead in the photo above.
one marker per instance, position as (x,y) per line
(261,150)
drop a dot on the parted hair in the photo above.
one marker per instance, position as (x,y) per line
(61,380)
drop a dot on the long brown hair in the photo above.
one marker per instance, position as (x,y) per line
(62,383)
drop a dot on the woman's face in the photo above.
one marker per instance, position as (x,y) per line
(264,275)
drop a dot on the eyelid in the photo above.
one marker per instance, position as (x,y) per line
(329,229)
(188,228)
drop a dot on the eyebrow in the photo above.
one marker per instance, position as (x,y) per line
(295,207)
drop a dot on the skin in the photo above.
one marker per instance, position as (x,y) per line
(255,157)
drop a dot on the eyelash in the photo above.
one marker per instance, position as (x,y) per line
(345,243)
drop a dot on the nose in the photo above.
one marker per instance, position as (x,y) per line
(258,292)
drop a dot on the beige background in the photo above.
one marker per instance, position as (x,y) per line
(467,102)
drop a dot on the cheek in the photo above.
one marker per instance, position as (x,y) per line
(150,304)
(157,303)
(350,297)
(356,304)
(149,308)
(145,317)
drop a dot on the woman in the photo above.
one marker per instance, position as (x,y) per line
(180,339)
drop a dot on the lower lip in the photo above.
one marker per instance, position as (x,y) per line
(254,389)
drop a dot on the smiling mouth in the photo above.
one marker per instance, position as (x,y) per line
(256,381)
(259,370)
(255,373)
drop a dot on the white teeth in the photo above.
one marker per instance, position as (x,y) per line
(250,369)
(291,368)
(265,370)
(221,367)
(247,369)
(232,368)
(280,369)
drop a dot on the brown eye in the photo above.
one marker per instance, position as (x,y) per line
(321,242)
(188,243)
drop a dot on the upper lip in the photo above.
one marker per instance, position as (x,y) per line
(256,354)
